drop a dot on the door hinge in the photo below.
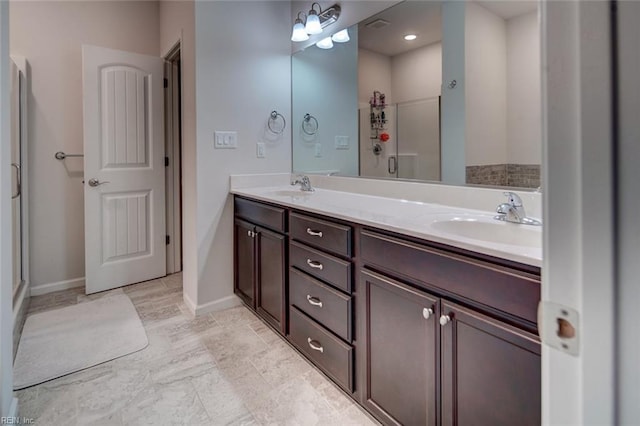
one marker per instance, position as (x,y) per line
(166,161)
(166,83)
(168,240)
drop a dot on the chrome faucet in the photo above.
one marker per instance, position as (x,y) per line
(513,211)
(304,182)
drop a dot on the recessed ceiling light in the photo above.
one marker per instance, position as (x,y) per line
(410,37)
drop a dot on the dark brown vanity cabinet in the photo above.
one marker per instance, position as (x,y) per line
(320,295)
(261,260)
(401,351)
(490,371)
(417,332)
(428,360)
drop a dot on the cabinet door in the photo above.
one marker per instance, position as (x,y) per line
(244,261)
(490,371)
(271,278)
(401,340)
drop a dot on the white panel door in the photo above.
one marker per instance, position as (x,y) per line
(16,164)
(124,190)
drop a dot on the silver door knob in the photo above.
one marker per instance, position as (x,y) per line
(93,182)
(427,312)
(445,319)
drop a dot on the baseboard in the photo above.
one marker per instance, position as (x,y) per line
(216,305)
(57,286)
(13,409)
(20,308)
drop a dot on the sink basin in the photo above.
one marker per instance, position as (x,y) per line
(491,231)
(291,193)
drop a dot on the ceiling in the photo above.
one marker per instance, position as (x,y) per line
(424,19)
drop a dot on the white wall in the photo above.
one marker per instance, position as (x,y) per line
(485,86)
(524,130)
(417,74)
(325,85)
(241,76)
(6,255)
(49,35)
(177,21)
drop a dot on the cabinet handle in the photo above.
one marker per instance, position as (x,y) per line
(315,345)
(315,264)
(314,301)
(427,312)
(314,233)
(444,320)
(251,234)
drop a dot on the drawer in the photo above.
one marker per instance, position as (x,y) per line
(331,308)
(328,352)
(327,268)
(321,234)
(502,288)
(270,217)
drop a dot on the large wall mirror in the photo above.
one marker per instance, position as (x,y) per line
(425,90)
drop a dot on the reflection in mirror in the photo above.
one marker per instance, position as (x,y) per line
(459,102)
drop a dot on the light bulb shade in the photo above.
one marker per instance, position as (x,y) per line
(325,43)
(341,36)
(299,34)
(313,23)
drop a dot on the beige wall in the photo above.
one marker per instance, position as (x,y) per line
(50,34)
(524,122)
(417,74)
(485,87)
(177,22)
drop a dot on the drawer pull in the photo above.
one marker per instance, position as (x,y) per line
(314,233)
(315,345)
(314,301)
(315,264)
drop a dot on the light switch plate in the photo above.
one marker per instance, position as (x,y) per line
(342,142)
(318,150)
(225,139)
(260,150)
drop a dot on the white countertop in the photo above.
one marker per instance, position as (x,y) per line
(519,243)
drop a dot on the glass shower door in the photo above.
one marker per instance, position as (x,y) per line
(16,178)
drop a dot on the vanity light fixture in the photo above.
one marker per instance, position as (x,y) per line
(325,43)
(341,36)
(299,33)
(314,22)
(410,37)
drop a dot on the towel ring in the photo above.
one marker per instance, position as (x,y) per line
(307,126)
(273,119)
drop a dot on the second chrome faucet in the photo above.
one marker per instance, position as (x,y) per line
(304,182)
(513,211)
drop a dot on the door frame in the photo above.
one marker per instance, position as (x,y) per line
(173,153)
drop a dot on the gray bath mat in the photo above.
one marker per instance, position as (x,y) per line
(62,341)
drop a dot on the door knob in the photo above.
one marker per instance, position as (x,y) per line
(93,182)
(444,320)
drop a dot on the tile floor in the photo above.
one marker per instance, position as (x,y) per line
(227,367)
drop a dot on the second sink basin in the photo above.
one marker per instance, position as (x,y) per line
(491,231)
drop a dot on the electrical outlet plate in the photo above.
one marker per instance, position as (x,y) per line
(342,142)
(225,140)
(318,150)
(260,150)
